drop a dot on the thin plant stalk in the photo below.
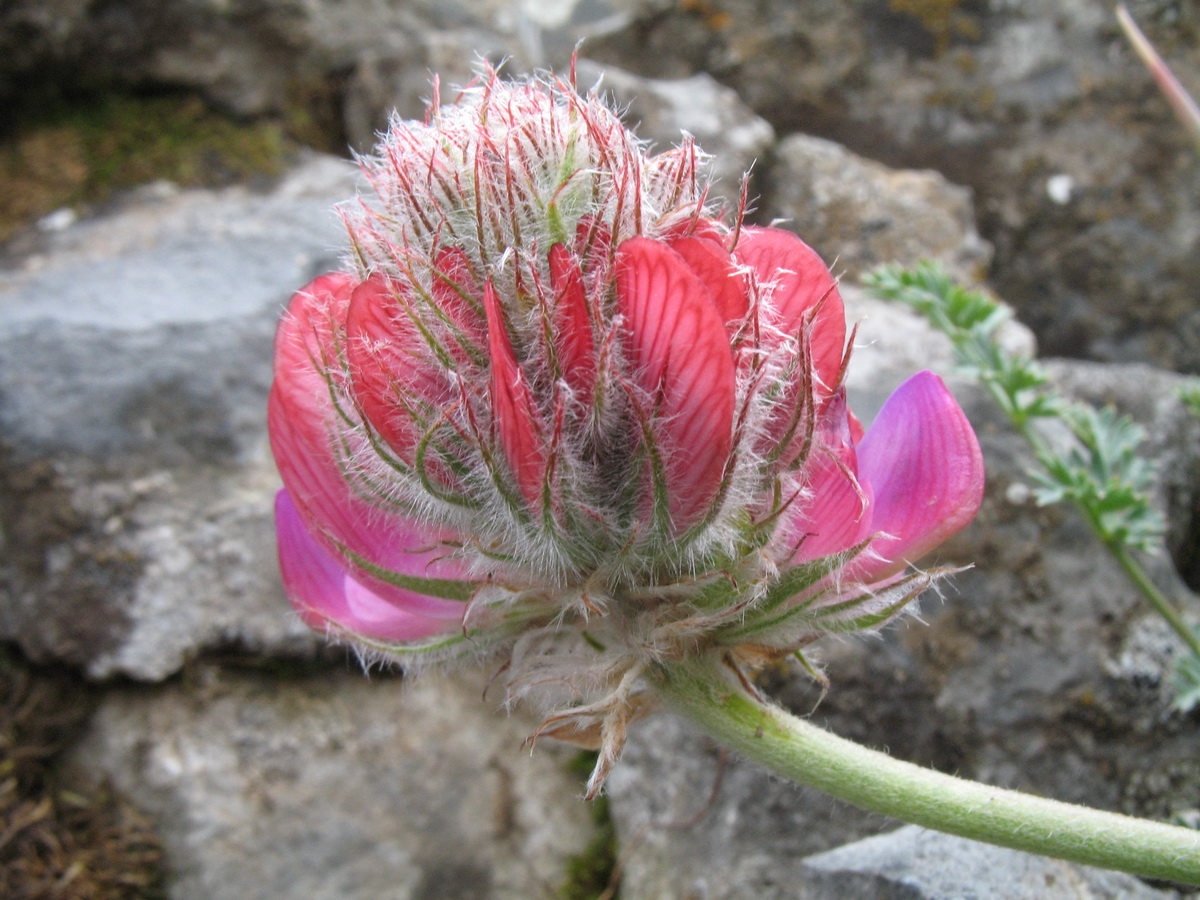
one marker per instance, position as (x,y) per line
(798,750)
(1153,595)
(1181,101)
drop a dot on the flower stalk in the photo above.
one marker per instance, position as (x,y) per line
(789,746)
(1182,103)
(1154,596)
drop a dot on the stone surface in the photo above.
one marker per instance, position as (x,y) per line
(862,214)
(697,823)
(329,786)
(660,110)
(136,482)
(135,489)
(395,79)
(914,864)
(264,57)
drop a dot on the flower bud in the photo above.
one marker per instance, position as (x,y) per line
(557,409)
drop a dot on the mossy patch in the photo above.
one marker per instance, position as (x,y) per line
(943,19)
(79,154)
(591,873)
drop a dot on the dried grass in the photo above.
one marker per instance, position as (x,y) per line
(55,843)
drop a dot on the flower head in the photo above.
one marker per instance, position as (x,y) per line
(556,408)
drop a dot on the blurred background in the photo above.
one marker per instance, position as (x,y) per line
(167,173)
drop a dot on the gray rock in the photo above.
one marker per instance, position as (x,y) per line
(332,787)
(661,110)
(134,518)
(697,823)
(859,214)
(267,56)
(914,864)
(396,78)
(136,479)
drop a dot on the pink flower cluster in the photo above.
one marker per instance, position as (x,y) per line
(556,407)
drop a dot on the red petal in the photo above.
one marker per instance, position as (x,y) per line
(300,408)
(302,423)
(456,293)
(714,267)
(513,409)
(573,331)
(388,371)
(803,288)
(679,348)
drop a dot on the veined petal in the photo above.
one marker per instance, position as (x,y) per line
(325,593)
(303,425)
(390,375)
(837,515)
(716,270)
(680,351)
(573,331)
(803,288)
(300,408)
(456,293)
(513,409)
(924,464)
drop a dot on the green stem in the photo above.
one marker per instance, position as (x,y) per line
(1118,549)
(1151,592)
(796,749)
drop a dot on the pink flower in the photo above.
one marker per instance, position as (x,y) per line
(556,408)
(913,480)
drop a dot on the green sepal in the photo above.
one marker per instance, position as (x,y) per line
(443,588)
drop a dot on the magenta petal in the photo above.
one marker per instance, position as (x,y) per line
(326,594)
(678,344)
(837,514)
(836,517)
(923,462)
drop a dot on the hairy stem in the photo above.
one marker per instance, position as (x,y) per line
(762,731)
